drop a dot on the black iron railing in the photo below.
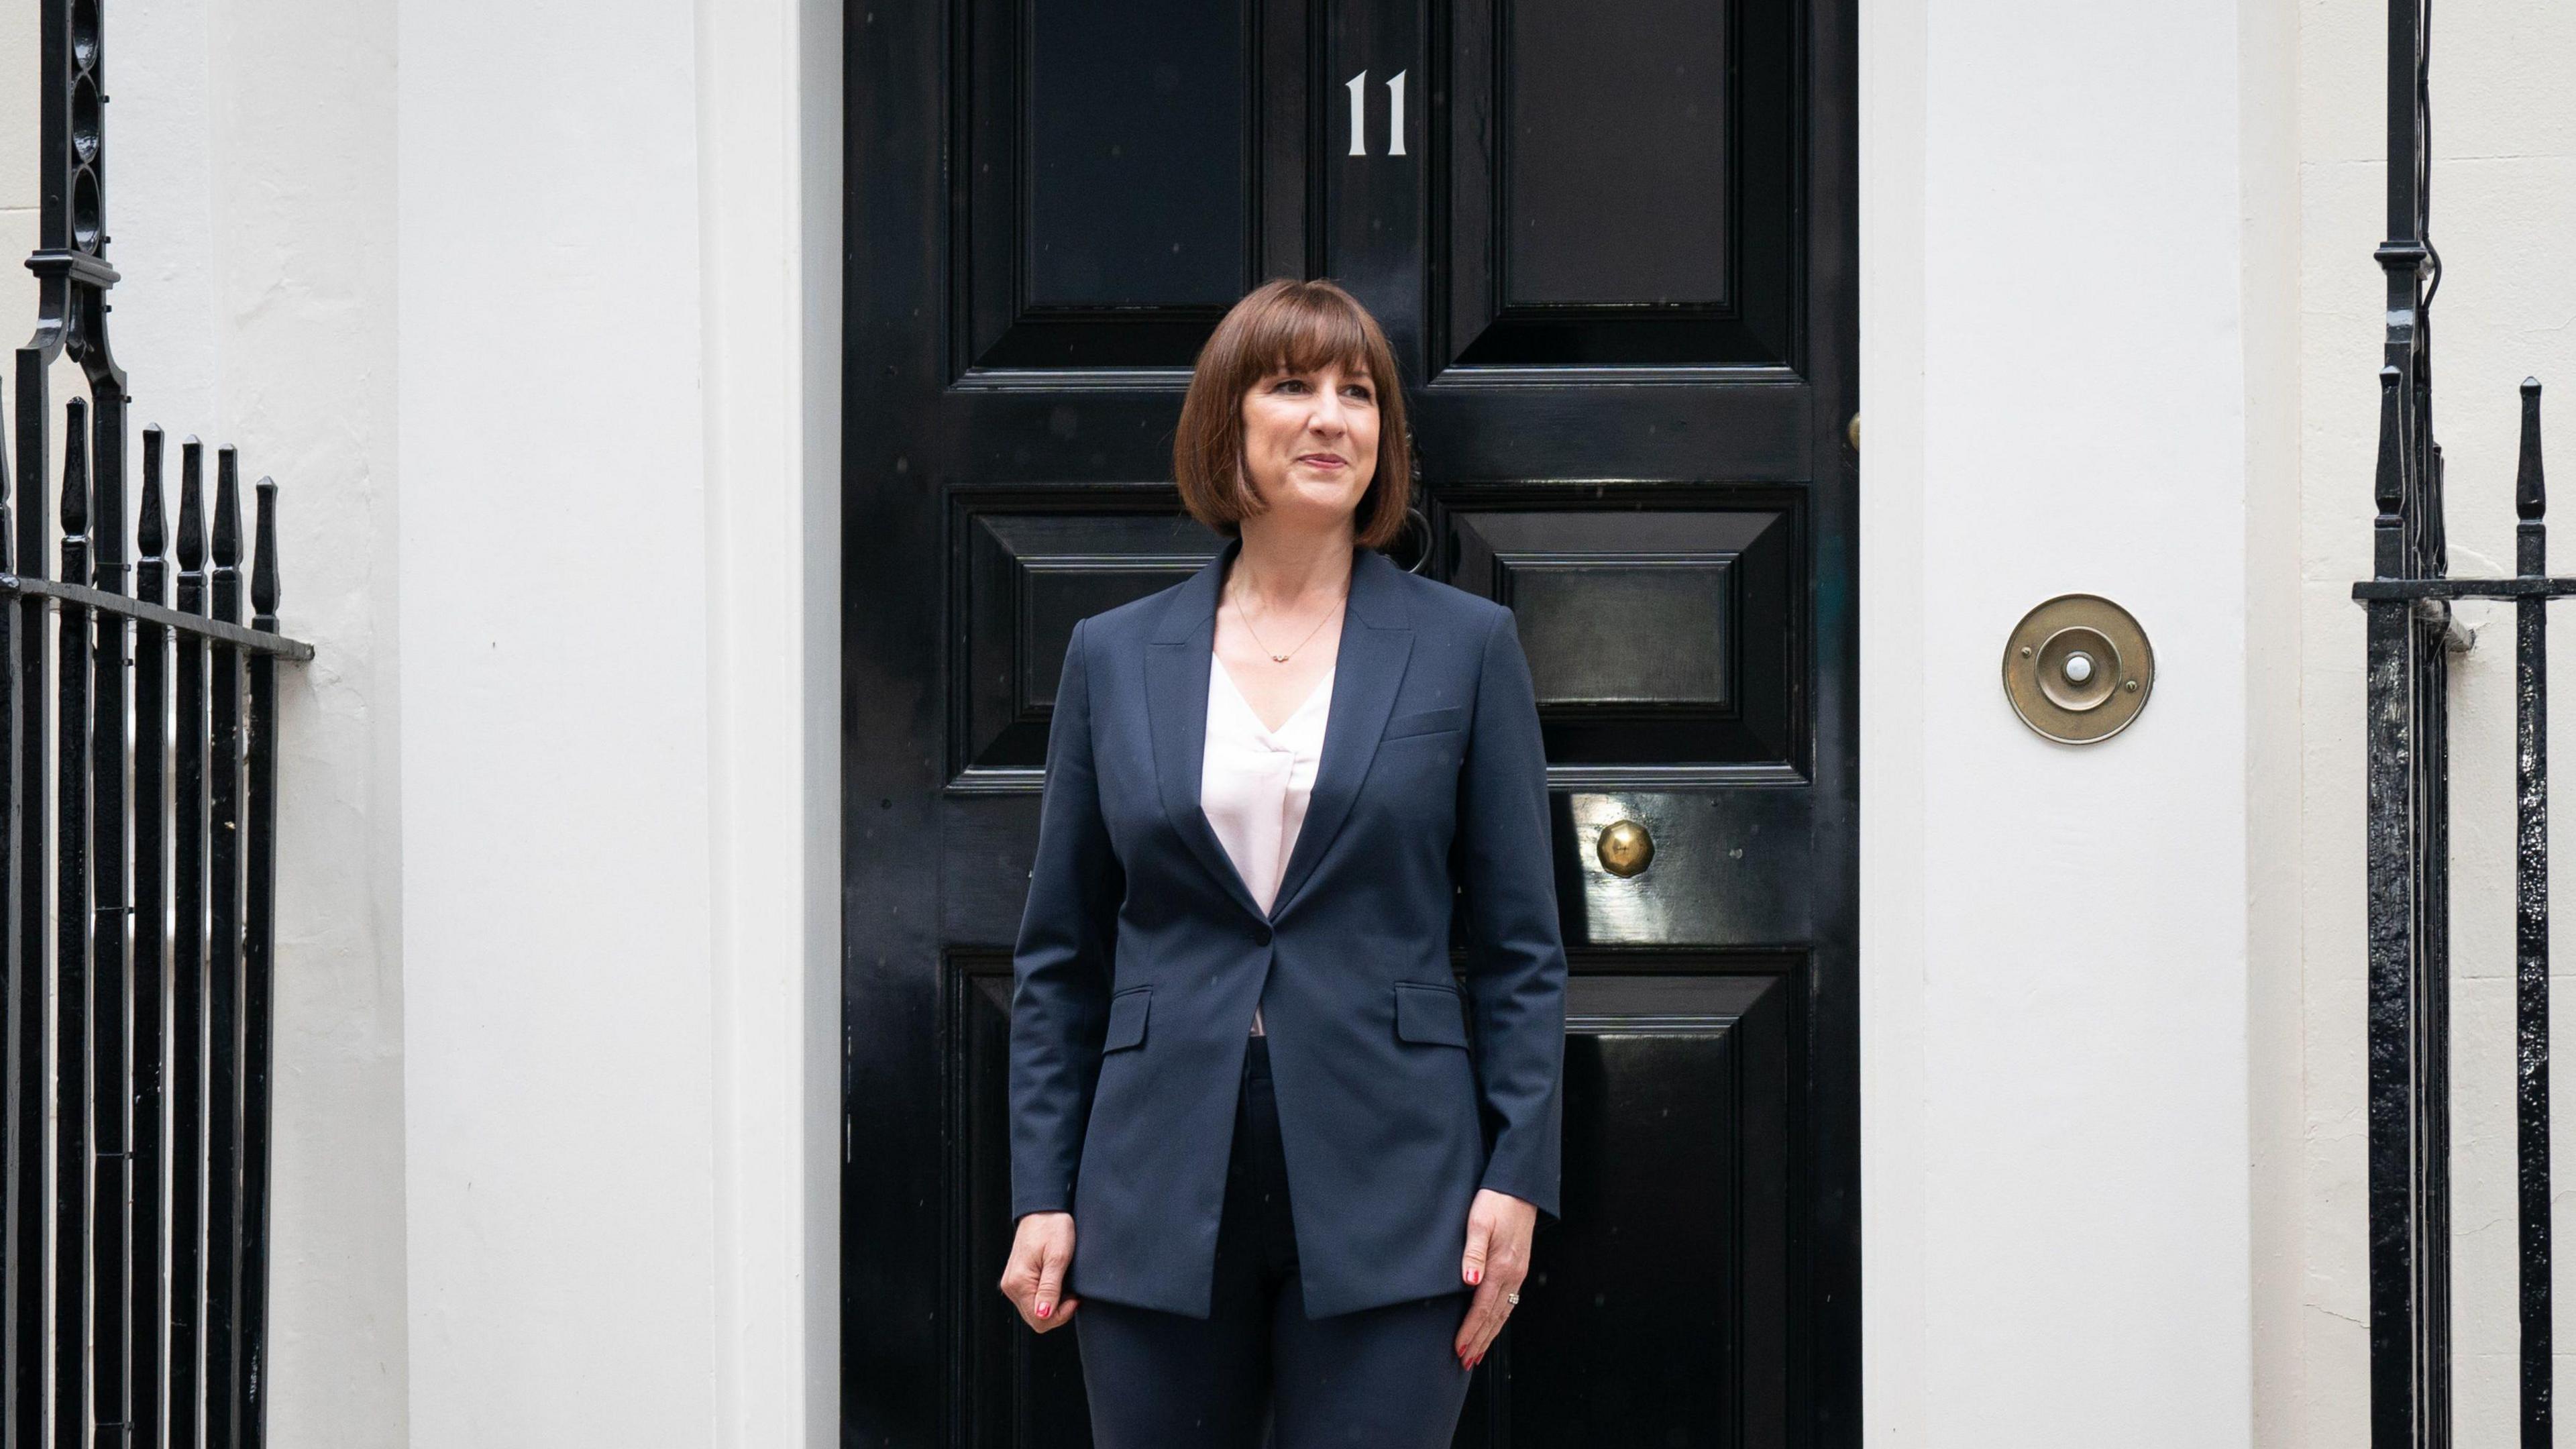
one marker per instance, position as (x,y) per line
(2411,636)
(138,768)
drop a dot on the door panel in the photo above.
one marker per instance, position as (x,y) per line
(1122,169)
(1669,1322)
(1619,185)
(1603,597)
(1612,245)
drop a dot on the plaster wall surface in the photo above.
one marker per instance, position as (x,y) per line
(2058,356)
(556,1087)
(618,331)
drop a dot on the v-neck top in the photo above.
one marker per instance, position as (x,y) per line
(1255,781)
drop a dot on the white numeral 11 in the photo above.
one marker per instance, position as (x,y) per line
(1358,87)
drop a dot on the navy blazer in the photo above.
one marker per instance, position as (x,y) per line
(1141,955)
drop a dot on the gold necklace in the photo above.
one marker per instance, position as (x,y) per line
(1310,634)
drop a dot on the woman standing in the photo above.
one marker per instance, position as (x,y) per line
(1286,1167)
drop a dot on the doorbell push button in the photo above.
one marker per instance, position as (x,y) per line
(2078,668)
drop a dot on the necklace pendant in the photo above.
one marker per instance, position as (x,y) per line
(1278,658)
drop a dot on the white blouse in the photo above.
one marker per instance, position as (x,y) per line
(1255,781)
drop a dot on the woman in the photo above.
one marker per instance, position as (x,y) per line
(1285,1167)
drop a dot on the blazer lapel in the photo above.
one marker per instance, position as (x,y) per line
(1377,641)
(1176,701)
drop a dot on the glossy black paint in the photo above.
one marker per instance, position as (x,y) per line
(2407,833)
(259,935)
(111,915)
(1632,435)
(226,1131)
(2407,755)
(188,1178)
(147,1318)
(76,1084)
(2531,931)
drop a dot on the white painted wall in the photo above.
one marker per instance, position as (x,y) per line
(556,881)
(2066,387)
(619,719)
(557,959)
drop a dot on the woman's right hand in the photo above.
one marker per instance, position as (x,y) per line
(1033,1279)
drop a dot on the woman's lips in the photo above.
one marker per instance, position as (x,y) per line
(1321,460)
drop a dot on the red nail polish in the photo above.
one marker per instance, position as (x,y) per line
(1475,1275)
(1045,1308)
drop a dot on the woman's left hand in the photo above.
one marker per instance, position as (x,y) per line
(1498,1254)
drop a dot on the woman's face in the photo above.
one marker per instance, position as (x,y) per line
(1310,442)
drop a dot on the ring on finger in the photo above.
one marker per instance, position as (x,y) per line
(1512,1298)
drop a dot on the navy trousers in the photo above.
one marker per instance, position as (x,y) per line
(1257,1370)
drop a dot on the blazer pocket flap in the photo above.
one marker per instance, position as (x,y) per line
(1127,1018)
(1430,1013)
(1427,721)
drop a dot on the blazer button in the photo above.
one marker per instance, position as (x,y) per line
(1261,935)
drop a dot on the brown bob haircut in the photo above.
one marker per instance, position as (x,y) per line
(1292,326)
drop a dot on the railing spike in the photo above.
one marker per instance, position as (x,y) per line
(263,571)
(227,507)
(2389,485)
(8,511)
(75,504)
(2529,498)
(192,505)
(150,529)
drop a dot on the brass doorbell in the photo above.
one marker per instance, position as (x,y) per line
(2078,668)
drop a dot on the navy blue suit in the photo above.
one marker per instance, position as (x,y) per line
(1141,955)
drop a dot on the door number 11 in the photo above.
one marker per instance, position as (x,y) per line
(1358,87)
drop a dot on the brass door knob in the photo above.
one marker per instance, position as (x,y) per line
(1624,847)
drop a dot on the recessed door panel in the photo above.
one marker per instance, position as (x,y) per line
(1138,142)
(1126,175)
(1619,183)
(1025,577)
(1603,104)
(1659,634)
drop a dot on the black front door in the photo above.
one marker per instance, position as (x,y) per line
(1612,242)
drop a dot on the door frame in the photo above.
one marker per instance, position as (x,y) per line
(771,218)
(778,1197)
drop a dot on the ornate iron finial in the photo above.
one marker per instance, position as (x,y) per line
(71,232)
(228,535)
(2390,483)
(192,505)
(150,536)
(227,508)
(263,571)
(152,526)
(75,502)
(2389,486)
(2529,498)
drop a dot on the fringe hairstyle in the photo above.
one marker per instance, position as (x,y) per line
(1295,326)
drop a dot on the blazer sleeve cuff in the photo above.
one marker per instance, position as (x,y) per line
(1026,1206)
(1542,1197)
